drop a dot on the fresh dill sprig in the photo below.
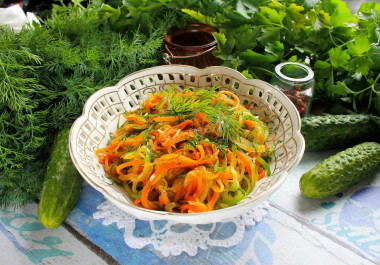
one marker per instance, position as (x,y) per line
(205,101)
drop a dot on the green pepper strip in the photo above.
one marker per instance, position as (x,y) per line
(221,169)
(110,173)
(249,188)
(147,132)
(147,159)
(118,124)
(265,165)
(130,192)
(234,200)
(266,129)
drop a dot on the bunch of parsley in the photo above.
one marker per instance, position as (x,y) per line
(46,75)
(342,48)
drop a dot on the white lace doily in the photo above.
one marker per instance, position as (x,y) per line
(171,238)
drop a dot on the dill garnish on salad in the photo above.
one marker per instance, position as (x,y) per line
(188,151)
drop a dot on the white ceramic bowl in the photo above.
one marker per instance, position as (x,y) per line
(103,110)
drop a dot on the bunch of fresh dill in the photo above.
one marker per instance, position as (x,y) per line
(46,75)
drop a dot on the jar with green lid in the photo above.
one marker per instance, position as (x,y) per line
(296,81)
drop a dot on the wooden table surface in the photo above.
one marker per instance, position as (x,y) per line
(343,229)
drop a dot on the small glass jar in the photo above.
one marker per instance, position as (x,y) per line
(296,81)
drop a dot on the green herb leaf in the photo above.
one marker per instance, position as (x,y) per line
(225,45)
(374,54)
(254,58)
(310,3)
(273,15)
(246,7)
(339,57)
(361,66)
(199,16)
(276,49)
(339,12)
(294,12)
(247,74)
(246,38)
(360,46)
(270,34)
(341,89)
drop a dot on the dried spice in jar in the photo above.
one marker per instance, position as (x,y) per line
(296,81)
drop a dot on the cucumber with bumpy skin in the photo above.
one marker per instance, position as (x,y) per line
(62,185)
(339,131)
(338,172)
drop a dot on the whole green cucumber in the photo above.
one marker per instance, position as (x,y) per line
(339,131)
(338,172)
(62,185)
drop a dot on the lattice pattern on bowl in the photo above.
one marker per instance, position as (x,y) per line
(102,112)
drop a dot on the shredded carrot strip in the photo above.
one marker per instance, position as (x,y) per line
(166,119)
(211,203)
(236,101)
(261,173)
(246,162)
(144,197)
